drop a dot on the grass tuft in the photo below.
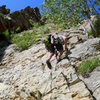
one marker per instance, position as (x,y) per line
(88,65)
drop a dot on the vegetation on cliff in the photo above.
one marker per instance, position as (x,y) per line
(56,15)
(88,65)
(71,12)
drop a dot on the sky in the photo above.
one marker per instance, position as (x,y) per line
(15,5)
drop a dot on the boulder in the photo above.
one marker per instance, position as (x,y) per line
(4,10)
(92,26)
(20,19)
(93,82)
(86,49)
(74,40)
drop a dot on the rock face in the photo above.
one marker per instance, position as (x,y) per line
(93,25)
(20,19)
(25,75)
(93,82)
(88,48)
(4,10)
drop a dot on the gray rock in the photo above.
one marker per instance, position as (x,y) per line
(27,70)
(93,82)
(85,49)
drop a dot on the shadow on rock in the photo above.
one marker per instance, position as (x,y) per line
(2,52)
(66,53)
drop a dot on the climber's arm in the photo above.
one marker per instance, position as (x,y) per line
(65,43)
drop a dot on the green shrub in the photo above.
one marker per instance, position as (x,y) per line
(23,44)
(1,14)
(88,65)
(41,30)
(31,22)
(18,29)
(24,40)
(45,30)
(61,26)
(36,25)
(91,32)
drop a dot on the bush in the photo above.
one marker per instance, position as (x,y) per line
(24,40)
(45,30)
(88,65)
(91,32)
(41,30)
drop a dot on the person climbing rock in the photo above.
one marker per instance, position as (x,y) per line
(55,44)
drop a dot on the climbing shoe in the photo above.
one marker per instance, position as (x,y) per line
(49,64)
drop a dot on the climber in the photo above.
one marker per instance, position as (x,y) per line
(55,44)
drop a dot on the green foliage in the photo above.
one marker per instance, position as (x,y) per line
(88,65)
(24,40)
(97,2)
(31,22)
(18,29)
(1,14)
(90,32)
(6,34)
(70,12)
(34,24)
(41,29)
(45,31)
